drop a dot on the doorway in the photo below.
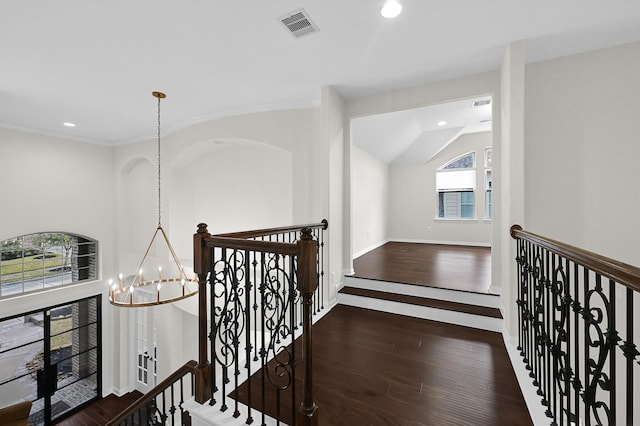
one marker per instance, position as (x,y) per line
(52,357)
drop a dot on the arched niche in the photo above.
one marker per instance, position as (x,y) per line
(230,184)
(138,205)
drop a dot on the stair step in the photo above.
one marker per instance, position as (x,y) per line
(463,308)
(426,302)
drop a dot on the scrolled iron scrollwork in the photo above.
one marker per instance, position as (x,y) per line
(227,285)
(278,297)
(596,320)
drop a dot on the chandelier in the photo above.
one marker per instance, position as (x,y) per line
(167,285)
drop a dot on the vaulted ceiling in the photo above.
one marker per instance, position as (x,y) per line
(416,135)
(96,63)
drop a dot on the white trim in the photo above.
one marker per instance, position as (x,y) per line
(456,220)
(346,272)
(450,243)
(495,290)
(477,299)
(529,391)
(253,109)
(368,249)
(416,311)
(62,136)
(118,391)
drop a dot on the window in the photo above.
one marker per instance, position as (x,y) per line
(58,349)
(40,261)
(455,184)
(488,214)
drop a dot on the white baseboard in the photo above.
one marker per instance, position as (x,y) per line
(368,249)
(529,391)
(423,312)
(449,243)
(478,299)
(119,391)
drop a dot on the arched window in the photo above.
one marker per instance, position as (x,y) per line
(455,185)
(50,259)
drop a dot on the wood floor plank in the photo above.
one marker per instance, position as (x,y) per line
(463,268)
(375,368)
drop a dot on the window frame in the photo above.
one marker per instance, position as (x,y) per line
(488,184)
(459,190)
(41,261)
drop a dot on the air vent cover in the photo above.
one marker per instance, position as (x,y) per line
(298,23)
(481,102)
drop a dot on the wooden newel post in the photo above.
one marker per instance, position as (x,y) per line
(201,265)
(307,284)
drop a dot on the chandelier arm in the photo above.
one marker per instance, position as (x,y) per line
(173,253)
(144,258)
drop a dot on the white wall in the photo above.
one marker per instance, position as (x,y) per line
(509,182)
(53,184)
(413,203)
(234,186)
(237,173)
(332,127)
(429,94)
(370,199)
(582,148)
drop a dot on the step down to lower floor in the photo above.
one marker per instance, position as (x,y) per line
(450,306)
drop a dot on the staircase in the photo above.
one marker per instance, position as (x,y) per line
(463,308)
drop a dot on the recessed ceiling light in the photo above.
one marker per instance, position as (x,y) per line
(69,124)
(442,123)
(391,9)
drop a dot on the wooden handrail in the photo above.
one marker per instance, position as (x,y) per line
(272,231)
(143,401)
(622,273)
(253,245)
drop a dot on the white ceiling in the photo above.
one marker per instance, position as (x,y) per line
(95,63)
(416,135)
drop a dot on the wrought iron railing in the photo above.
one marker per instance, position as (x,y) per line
(576,314)
(164,404)
(264,286)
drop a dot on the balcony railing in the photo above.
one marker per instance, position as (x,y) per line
(164,404)
(577,334)
(264,286)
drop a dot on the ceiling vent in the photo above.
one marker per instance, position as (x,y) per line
(298,23)
(481,102)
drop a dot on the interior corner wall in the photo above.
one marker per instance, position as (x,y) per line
(413,203)
(582,149)
(370,192)
(509,191)
(333,171)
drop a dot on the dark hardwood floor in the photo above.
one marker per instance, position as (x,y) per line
(463,268)
(100,412)
(374,368)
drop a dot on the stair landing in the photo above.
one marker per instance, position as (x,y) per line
(476,310)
